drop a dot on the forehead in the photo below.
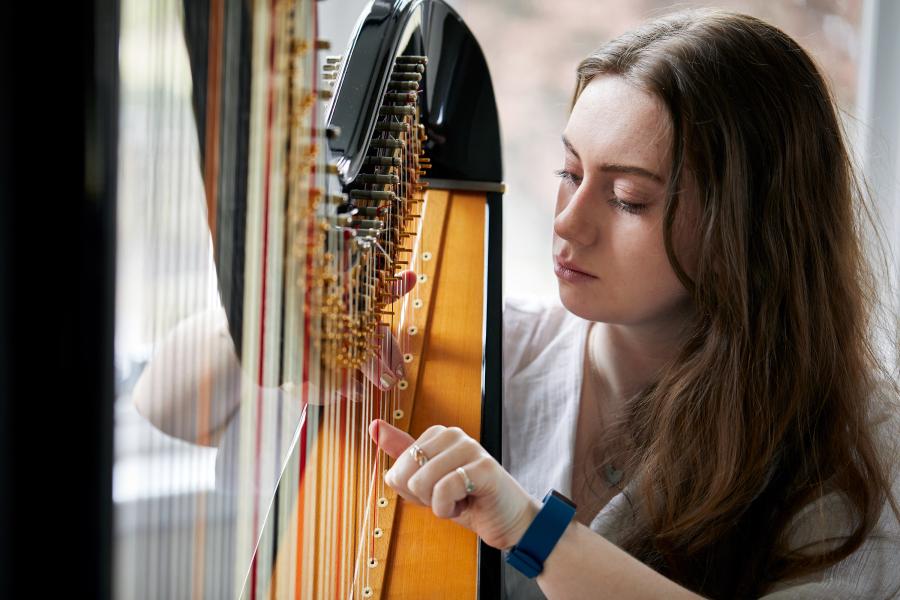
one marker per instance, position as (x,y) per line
(614,121)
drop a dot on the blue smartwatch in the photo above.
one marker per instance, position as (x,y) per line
(529,554)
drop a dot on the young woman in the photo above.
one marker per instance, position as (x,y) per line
(709,395)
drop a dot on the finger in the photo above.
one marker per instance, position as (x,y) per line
(450,499)
(403,285)
(396,443)
(446,451)
(385,368)
(392,358)
(378,368)
(390,439)
(422,483)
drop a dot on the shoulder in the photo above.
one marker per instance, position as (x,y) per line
(873,570)
(532,326)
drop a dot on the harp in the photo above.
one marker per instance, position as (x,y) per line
(323,178)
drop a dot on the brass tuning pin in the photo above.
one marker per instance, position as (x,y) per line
(411,60)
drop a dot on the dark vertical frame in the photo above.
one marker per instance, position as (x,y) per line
(58,161)
(98,267)
(6,427)
(489,559)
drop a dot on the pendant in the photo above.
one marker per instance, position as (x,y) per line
(613,476)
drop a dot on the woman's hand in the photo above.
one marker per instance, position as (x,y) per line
(385,368)
(497,508)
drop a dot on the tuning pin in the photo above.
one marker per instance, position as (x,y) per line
(380,179)
(382,161)
(388,143)
(411,60)
(373,195)
(392,127)
(325,94)
(408,97)
(406,111)
(368,211)
(332,132)
(406,77)
(395,86)
(368,224)
(323,45)
(409,68)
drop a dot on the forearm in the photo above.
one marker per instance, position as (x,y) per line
(586,565)
(191,386)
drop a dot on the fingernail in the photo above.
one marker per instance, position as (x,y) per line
(399,371)
(387,381)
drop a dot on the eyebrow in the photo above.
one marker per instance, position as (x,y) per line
(617,168)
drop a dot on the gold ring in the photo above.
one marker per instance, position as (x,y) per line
(418,455)
(470,487)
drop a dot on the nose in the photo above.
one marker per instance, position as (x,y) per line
(576,217)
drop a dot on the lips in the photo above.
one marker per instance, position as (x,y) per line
(571,267)
(570,273)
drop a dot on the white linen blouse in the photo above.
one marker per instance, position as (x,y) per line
(543,352)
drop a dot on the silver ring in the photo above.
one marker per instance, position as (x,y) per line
(418,455)
(470,487)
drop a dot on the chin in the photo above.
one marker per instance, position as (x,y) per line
(596,306)
(583,304)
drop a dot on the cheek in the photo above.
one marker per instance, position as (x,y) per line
(637,284)
(643,268)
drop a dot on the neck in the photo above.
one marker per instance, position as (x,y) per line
(626,358)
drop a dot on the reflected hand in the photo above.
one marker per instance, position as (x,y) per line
(385,368)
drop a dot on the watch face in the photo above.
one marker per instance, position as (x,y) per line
(563,498)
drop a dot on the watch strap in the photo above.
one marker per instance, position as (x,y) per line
(540,538)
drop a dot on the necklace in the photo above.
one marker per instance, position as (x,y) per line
(611,474)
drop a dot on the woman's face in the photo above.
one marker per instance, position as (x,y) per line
(608,247)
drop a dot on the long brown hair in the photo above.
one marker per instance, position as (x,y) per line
(769,405)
